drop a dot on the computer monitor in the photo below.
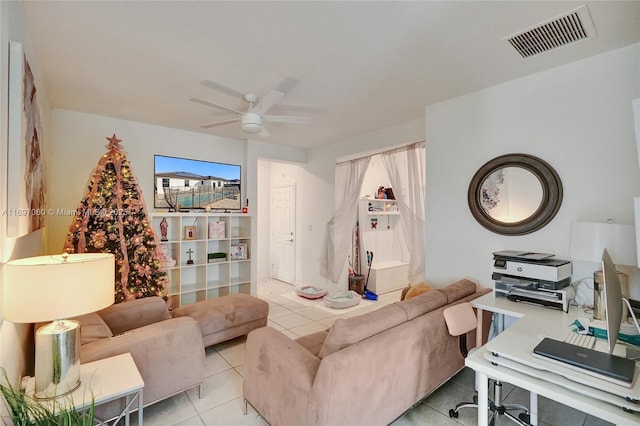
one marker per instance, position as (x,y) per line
(612,299)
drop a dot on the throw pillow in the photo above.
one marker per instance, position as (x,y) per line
(417,289)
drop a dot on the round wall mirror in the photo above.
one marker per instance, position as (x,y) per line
(515,194)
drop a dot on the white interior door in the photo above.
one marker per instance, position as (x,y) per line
(283,241)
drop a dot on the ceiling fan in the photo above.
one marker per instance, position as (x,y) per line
(255,114)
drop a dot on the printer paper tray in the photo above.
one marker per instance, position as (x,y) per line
(556,304)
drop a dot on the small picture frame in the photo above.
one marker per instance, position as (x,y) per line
(239,252)
(190,233)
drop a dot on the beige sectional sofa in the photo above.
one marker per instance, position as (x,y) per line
(169,352)
(365,370)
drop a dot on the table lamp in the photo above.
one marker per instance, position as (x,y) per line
(589,239)
(50,288)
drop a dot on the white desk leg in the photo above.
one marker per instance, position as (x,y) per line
(127,410)
(483,398)
(479,328)
(533,408)
(140,408)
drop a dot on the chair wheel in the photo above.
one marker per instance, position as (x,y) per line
(475,399)
(453,413)
(524,417)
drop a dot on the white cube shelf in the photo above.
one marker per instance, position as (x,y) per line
(193,239)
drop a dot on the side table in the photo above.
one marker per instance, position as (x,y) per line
(103,381)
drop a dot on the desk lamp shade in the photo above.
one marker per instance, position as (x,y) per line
(50,288)
(589,239)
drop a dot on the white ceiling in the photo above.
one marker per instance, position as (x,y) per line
(368,64)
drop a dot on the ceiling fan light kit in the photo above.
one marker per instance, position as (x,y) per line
(251,123)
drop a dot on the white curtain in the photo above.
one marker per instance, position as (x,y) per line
(406,169)
(337,245)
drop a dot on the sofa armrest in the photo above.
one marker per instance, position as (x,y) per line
(278,376)
(169,355)
(126,316)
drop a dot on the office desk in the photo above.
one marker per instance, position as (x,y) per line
(535,322)
(590,405)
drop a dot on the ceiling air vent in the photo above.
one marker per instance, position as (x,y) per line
(562,30)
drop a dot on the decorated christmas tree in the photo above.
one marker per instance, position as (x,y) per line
(112,218)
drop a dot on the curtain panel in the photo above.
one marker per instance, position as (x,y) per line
(337,244)
(406,169)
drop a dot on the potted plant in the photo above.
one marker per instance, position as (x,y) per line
(25,410)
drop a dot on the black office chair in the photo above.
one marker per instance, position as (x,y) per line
(460,320)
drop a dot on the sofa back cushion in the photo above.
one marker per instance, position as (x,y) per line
(347,331)
(92,327)
(458,290)
(122,317)
(423,303)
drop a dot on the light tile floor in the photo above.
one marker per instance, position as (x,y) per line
(222,401)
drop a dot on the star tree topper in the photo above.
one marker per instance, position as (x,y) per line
(114,143)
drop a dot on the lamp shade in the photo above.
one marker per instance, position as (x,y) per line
(636,201)
(589,239)
(46,288)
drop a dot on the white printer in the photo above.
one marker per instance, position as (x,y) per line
(533,278)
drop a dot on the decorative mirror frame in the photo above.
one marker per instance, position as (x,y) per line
(551,194)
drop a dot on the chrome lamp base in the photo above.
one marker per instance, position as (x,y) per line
(57,366)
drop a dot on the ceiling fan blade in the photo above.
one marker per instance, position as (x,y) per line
(287,84)
(264,132)
(266,102)
(214,105)
(220,123)
(222,89)
(296,108)
(296,119)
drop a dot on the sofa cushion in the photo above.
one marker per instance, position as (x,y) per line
(458,290)
(225,312)
(313,342)
(422,303)
(347,331)
(92,328)
(123,317)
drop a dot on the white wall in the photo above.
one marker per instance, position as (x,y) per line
(16,350)
(263,219)
(577,117)
(375,176)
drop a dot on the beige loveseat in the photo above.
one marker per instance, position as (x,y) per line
(169,353)
(365,370)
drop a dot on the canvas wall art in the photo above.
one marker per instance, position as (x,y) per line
(26,175)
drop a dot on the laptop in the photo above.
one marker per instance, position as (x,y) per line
(611,368)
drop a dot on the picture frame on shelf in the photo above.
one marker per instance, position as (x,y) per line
(190,232)
(217,230)
(238,252)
